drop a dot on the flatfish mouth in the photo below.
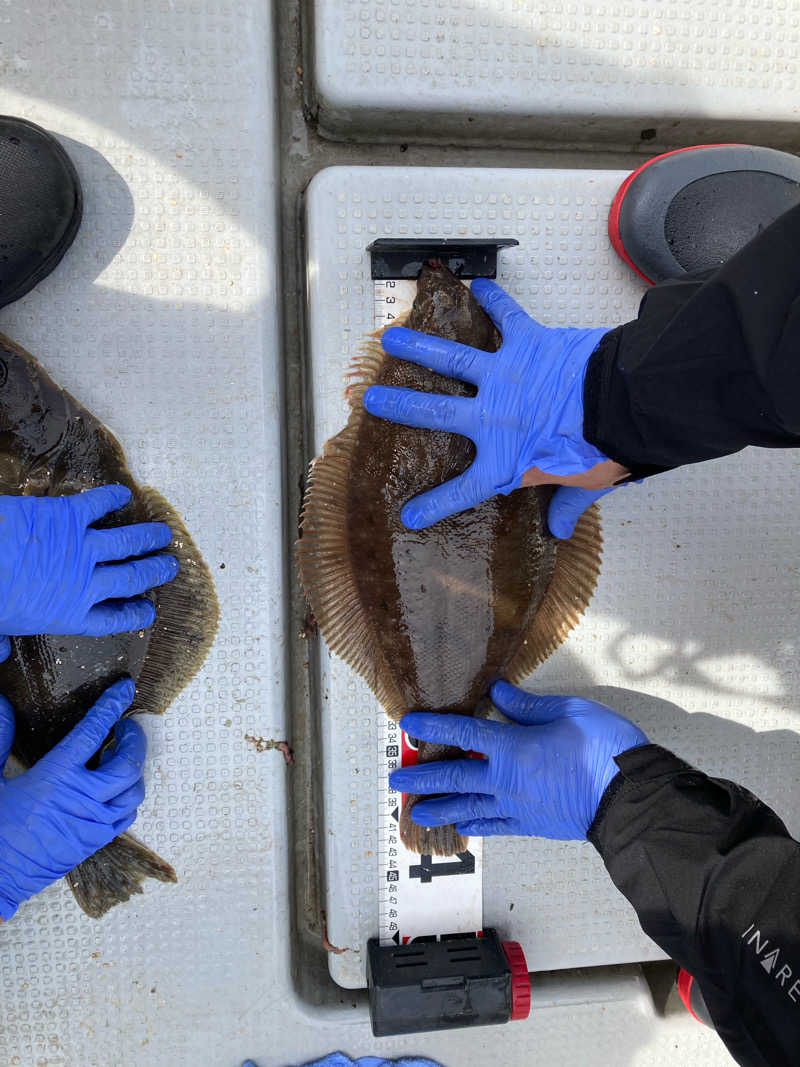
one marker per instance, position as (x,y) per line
(51,445)
(430,618)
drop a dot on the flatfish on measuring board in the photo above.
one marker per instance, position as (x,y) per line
(430,618)
(50,445)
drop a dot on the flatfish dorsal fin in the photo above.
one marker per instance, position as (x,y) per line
(323,555)
(568,594)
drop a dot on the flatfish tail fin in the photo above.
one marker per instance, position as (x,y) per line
(114,873)
(188,615)
(433,840)
(571,588)
(323,555)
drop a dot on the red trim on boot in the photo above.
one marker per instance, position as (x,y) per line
(616,203)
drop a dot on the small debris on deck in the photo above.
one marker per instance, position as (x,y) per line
(264,744)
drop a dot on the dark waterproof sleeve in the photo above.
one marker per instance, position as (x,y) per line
(715,879)
(711,364)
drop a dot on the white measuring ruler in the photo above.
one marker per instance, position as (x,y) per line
(418,895)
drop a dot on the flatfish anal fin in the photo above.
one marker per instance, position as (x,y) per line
(567,597)
(114,873)
(323,552)
(188,615)
(325,564)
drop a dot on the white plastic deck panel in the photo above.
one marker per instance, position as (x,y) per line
(697,598)
(519,70)
(162,319)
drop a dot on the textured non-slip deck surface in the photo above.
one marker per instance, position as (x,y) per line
(160,319)
(698,589)
(519,64)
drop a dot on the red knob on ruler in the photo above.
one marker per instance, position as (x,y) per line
(520,980)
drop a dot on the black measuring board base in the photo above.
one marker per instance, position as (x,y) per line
(404,257)
(446,983)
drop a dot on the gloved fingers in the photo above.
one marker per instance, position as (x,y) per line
(7,728)
(119,616)
(527,708)
(81,811)
(428,411)
(445,776)
(125,541)
(5,648)
(464,807)
(93,504)
(121,764)
(457,494)
(568,504)
(83,740)
(462,731)
(121,825)
(487,827)
(446,357)
(501,308)
(127,803)
(120,580)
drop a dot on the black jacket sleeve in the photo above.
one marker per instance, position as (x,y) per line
(711,364)
(715,879)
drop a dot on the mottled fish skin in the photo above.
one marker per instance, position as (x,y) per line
(51,445)
(450,604)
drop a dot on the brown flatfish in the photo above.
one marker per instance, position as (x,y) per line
(430,618)
(50,445)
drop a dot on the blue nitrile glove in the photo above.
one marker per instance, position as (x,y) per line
(59,576)
(58,813)
(528,411)
(568,504)
(545,776)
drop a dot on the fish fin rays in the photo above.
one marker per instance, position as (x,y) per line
(363,370)
(326,574)
(567,597)
(429,841)
(188,615)
(114,873)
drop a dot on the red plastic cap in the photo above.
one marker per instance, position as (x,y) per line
(520,980)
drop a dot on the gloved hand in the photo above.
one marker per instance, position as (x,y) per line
(568,504)
(526,420)
(58,813)
(545,776)
(51,580)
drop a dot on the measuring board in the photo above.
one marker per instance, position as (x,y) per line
(420,895)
